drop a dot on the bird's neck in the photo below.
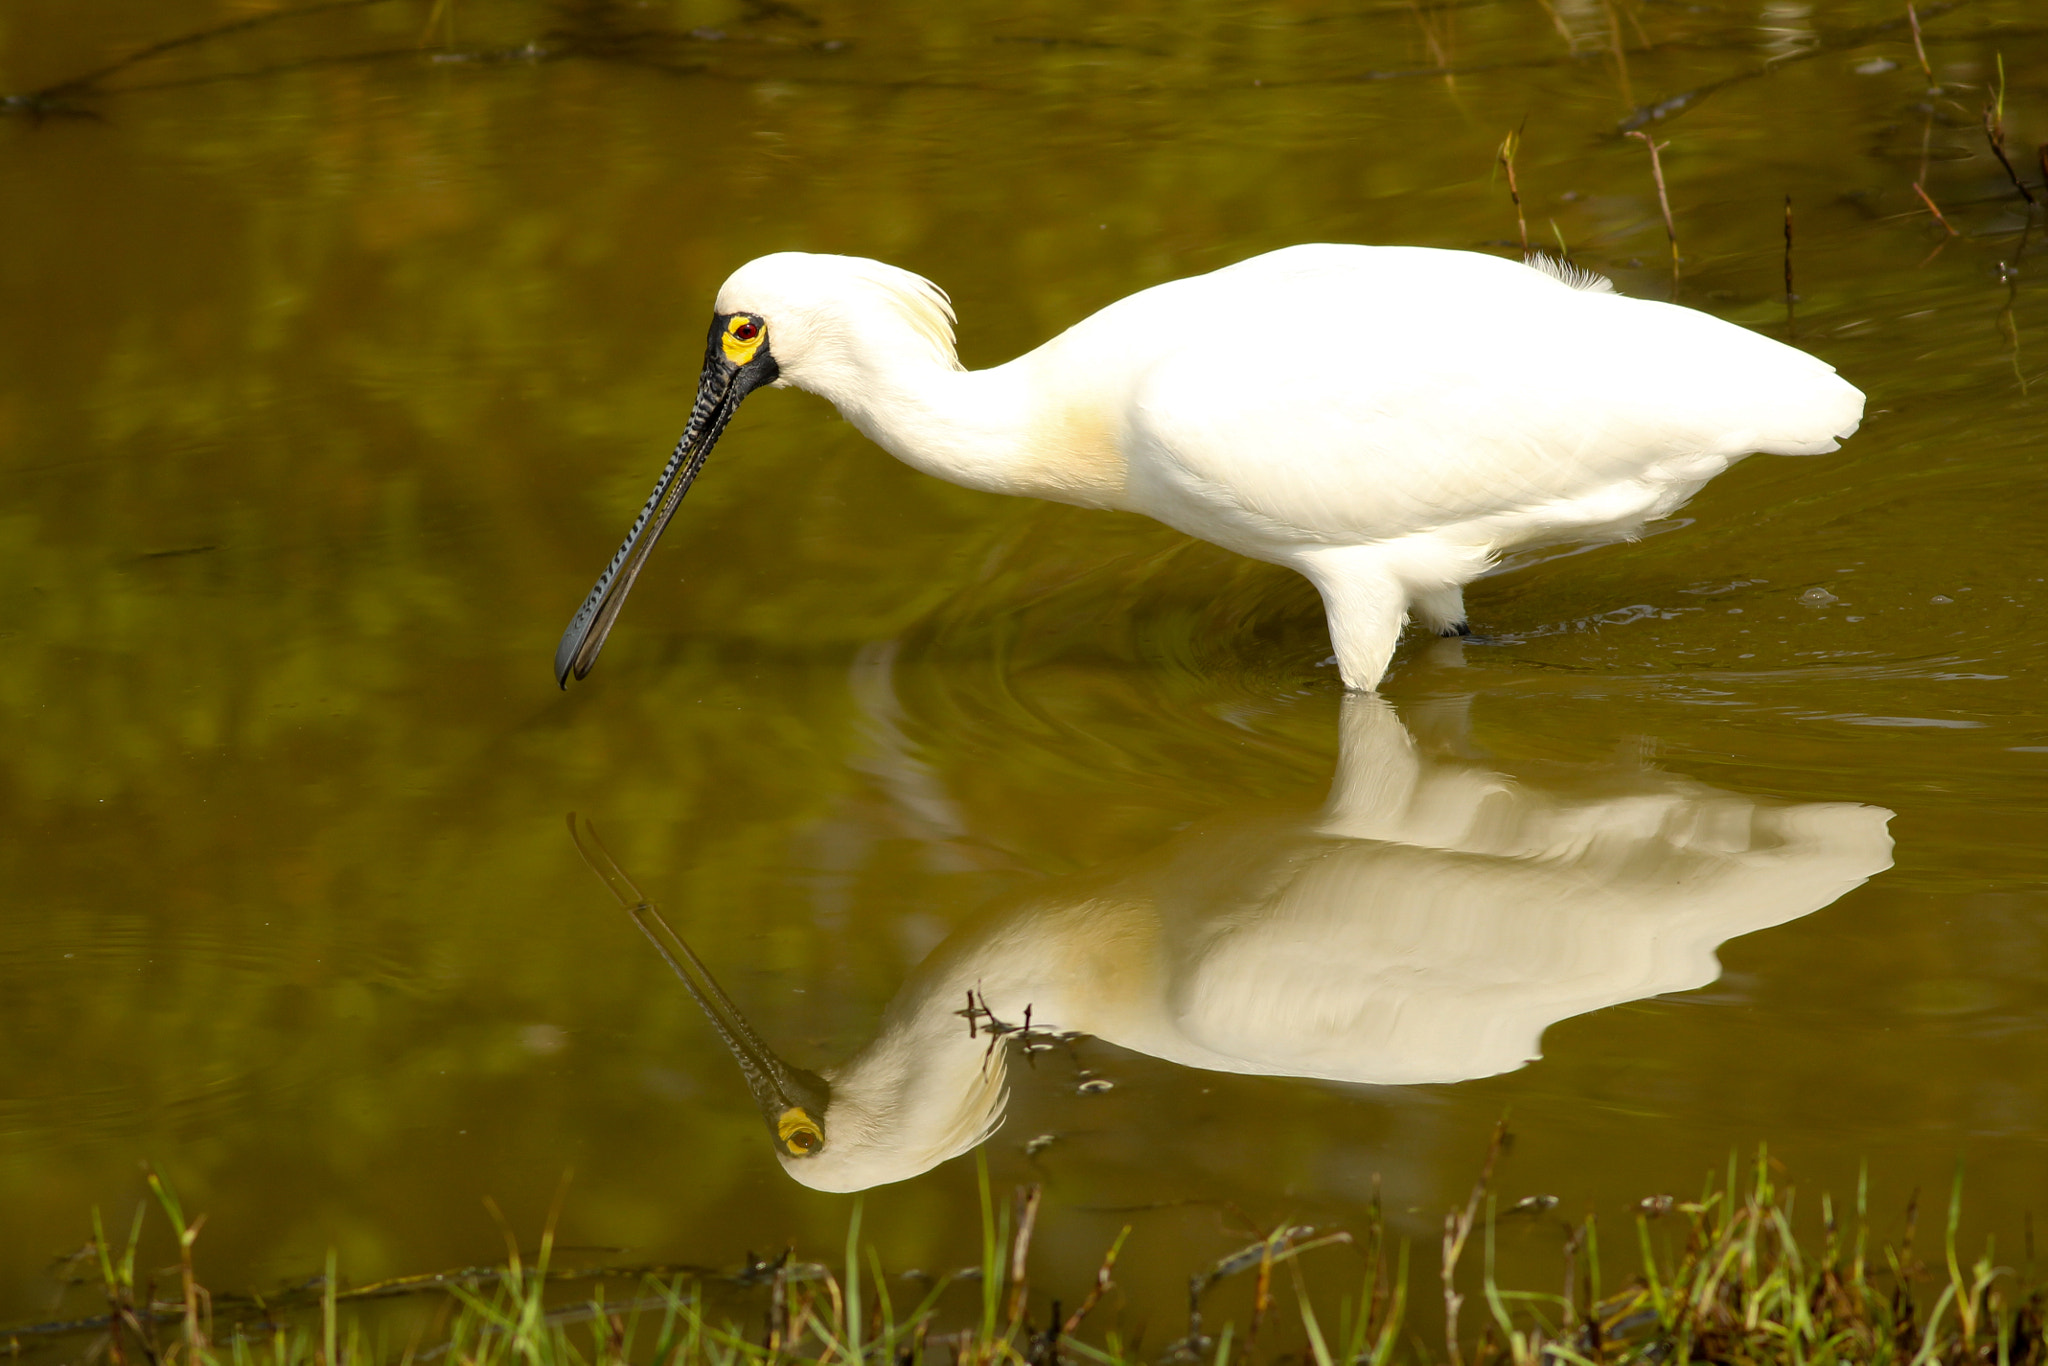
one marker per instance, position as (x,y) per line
(1004,430)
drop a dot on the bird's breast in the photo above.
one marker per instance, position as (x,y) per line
(1073,453)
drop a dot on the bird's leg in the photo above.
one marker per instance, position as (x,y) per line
(1377,772)
(1443,611)
(1366,605)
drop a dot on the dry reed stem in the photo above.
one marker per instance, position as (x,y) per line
(1790,317)
(1457,1228)
(442,16)
(1919,48)
(1557,22)
(1026,1205)
(1994,133)
(1439,51)
(1262,1297)
(1620,55)
(1509,146)
(1103,1285)
(1932,208)
(1635,22)
(1663,199)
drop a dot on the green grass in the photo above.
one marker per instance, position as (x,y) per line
(1719,1279)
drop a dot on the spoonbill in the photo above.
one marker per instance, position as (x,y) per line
(1426,925)
(1388,421)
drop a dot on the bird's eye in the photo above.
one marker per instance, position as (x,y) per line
(745,331)
(800,1134)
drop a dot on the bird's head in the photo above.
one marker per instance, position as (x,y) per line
(827,319)
(924,1090)
(793,318)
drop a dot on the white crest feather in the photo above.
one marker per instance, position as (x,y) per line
(1578,277)
(925,306)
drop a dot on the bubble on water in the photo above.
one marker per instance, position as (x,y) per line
(1094,1086)
(1941,597)
(1818,597)
(1876,66)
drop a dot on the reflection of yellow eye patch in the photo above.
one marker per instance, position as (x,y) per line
(742,337)
(799,1133)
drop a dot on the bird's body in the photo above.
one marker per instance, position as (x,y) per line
(1387,421)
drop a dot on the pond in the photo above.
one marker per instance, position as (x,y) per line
(342,341)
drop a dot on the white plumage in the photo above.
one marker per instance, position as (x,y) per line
(1387,421)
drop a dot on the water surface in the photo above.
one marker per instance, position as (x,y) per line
(340,348)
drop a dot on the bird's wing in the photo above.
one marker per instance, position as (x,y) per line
(1393,964)
(1360,405)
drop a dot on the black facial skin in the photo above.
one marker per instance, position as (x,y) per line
(720,388)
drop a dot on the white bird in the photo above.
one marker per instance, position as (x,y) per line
(1388,421)
(1427,924)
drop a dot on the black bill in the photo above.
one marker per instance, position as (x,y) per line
(792,1100)
(720,388)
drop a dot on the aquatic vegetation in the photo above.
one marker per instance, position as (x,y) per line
(1723,1278)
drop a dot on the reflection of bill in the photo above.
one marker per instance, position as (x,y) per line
(1426,925)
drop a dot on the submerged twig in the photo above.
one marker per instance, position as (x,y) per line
(83,84)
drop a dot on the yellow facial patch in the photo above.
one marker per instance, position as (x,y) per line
(743,336)
(800,1134)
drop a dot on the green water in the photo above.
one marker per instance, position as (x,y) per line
(337,351)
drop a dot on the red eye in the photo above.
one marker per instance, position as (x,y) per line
(746,332)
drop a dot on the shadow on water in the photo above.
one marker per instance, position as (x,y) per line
(1425,925)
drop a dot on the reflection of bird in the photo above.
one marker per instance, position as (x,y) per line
(1426,925)
(1386,420)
